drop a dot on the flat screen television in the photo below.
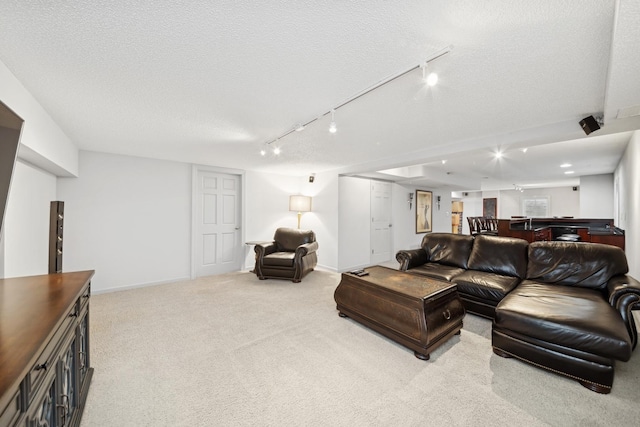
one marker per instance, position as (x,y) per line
(10,127)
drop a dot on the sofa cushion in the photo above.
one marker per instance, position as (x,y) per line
(505,256)
(437,271)
(587,265)
(282,259)
(288,239)
(487,286)
(448,249)
(572,317)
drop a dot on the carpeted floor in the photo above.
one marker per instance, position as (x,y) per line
(232,350)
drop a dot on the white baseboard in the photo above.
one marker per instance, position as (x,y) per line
(325,268)
(139,285)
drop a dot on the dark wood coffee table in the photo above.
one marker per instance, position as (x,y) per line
(418,312)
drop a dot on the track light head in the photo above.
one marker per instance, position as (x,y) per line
(332,126)
(432,79)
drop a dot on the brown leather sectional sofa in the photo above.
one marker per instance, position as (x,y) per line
(562,306)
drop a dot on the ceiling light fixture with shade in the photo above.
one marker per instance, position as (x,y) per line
(431,79)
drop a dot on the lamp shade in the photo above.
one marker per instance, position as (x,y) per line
(300,203)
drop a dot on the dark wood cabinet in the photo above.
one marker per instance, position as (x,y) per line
(44,349)
(543,229)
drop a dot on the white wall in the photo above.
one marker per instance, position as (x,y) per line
(354,201)
(404,219)
(596,196)
(26,227)
(129,219)
(627,202)
(44,142)
(472,206)
(563,201)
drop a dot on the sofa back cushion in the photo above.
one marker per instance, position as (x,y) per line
(506,256)
(587,265)
(288,239)
(448,248)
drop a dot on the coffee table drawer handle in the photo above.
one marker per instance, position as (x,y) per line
(446,314)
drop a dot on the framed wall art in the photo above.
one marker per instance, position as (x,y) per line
(424,211)
(490,207)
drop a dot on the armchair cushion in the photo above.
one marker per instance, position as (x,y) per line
(288,239)
(284,259)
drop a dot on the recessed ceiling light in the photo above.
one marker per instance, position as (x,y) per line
(498,154)
(565,165)
(276,151)
(444,161)
(524,150)
(263,152)
(568,172)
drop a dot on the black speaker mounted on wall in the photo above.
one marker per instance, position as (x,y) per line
(589,124)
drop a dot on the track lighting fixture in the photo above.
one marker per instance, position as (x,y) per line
(431,79)
(332,126)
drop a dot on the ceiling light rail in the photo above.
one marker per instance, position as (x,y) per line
(300,126)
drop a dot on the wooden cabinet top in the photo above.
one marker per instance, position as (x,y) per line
(31,310)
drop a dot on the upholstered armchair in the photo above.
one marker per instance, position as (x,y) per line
(291,255)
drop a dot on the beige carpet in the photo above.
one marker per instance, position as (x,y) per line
(232,350)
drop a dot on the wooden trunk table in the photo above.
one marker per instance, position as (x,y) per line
(418,312)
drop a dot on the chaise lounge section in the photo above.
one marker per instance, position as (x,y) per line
(562,306)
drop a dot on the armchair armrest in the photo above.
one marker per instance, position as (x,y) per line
(624,295)
(305,249)
(265,248)
(411,258)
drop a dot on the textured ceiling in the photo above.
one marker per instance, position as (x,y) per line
(211,82)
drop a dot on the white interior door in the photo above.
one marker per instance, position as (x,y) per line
(380,222)
(217,236)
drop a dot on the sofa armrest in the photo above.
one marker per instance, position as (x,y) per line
(624,296)
(411,258)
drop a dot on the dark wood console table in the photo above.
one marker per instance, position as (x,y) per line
(45,368)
